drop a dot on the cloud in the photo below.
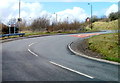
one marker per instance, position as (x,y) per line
(76,13)
(10,9)
(34,9)
(112,8)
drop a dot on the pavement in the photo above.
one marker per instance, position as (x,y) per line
(48,59)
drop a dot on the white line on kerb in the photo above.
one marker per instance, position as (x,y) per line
(71,70)
(32,52)
(31,44)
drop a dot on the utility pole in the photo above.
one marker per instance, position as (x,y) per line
(19,8)
(67,22)
(19,19)
(91,14)
(56,17)
(67,19)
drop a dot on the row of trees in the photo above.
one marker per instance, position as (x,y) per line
(42,23)
(114,16)
(111,17)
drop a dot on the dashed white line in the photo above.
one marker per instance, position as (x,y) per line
(71,70)
(31,44)
(32,52)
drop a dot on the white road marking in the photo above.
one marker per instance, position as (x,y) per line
(31,44)
(71,70)
(32,52)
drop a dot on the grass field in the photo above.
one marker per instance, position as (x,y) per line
(107,45)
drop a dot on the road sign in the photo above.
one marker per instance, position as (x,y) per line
(19,19)
(88,19)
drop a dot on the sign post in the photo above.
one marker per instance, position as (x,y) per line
(9,29)
(14,28)
(91,14)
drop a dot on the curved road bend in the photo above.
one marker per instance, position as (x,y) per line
(48,59)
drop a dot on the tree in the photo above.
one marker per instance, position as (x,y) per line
(40,23)
(113,16)
(104,18)
(94,18)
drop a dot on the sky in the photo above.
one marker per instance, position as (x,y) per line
(64,9)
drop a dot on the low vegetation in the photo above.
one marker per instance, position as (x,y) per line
(107,45)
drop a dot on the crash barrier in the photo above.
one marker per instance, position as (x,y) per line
(14,34)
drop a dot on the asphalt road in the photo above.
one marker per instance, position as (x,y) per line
(48,59)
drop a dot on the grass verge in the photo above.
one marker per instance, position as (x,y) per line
(107,45)
(30,33)
(49,33)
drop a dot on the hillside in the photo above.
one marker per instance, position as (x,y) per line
(112,25)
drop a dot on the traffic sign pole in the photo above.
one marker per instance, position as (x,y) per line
(9,29)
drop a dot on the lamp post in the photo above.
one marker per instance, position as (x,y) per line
(56,17)
(67,23)
(30,21)
(19,19)
(91,14)
(67,19)
(19,8)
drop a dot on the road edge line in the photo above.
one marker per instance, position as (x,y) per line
(31,44)
(77,72)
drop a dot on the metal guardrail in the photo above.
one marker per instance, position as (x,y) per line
(14,34)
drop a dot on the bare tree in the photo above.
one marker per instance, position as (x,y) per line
(40,24)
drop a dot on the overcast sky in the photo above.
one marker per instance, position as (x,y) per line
(73,9)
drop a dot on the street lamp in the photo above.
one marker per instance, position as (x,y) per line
(67,19)
(91,14)
(19,19)
(56,17)
(67,23)
(30,21)
(19,7)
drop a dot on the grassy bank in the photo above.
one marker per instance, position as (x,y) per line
(107,45)
(112,25)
